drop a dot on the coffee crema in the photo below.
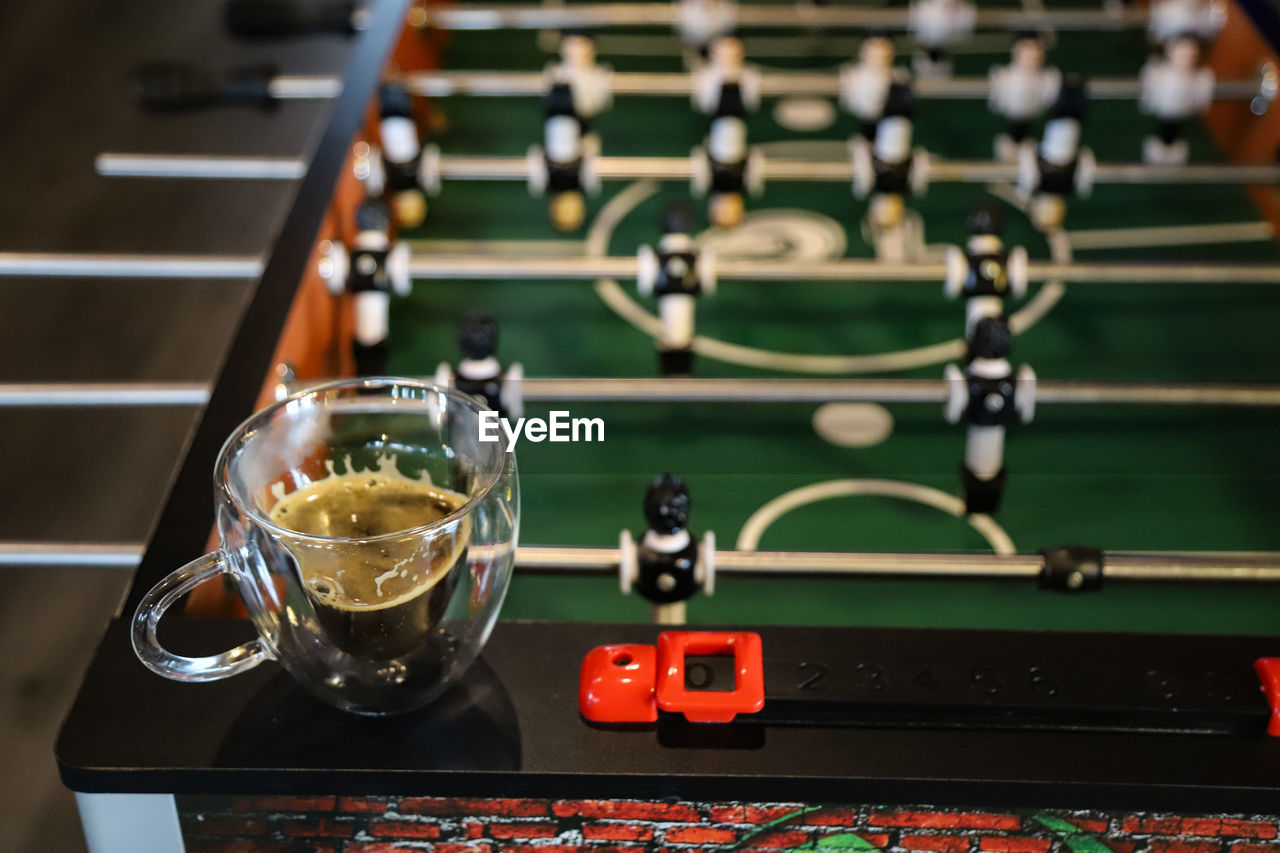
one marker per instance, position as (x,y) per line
(376,595)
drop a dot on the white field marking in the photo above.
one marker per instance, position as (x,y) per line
(621,303)
(853,424)
(486,248)
(1172,235)
(761,519)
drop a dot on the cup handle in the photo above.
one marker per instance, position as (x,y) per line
(151,610)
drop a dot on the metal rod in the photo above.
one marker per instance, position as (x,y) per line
(1253,567)
(844,271)
(31,394)
(129,266)
(1243,567)
(814,391)
(219,168)
(775,84)
(506,168)
(49,554)
(762,16)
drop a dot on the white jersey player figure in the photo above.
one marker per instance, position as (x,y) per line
(703,21)
(401,156)
(371,272)
(725,63)
(589,82)
(1020,92)
(1170,19)
(891,162)
(563,146)
(1174,89)
(937,26)
(864,85)
(1058,158)
(667,559)
(727,153)
(988,398)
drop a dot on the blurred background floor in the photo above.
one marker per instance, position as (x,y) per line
(100,475)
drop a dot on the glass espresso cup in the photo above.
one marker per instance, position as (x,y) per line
(371,536)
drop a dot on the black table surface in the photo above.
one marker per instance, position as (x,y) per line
(512,728)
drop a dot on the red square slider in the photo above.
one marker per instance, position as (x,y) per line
(710,706)
(616,684)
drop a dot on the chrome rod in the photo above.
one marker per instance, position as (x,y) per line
(815,391)
(70,554)
(51,394)
(762,16)
(1251,567)
(128,266)
(219,168)
(843,271)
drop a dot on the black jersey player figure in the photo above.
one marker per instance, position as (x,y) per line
(986,272)
(1021,91)
(727,158)
(1057,168)
(884,170)
(668,567)
(396,176)
(479,373)
(589,82)
(564,158)
(371,272)
(677,274)
(988,397)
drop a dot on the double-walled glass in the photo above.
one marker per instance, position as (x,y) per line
(376,623)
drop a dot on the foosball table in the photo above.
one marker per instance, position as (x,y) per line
(894,398)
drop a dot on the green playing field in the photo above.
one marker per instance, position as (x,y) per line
(1117,477)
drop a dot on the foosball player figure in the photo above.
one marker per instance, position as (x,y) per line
(864,85)
(986,273)
(937,26)
(725,64)
(677,274)
(1174,89)
(885,171)
(565,157)
(1020,92)
(479,373)
(590,84)
(1169,19)
(371,272)
(703,21)
(668,567)
(727,155)
(1058,168)
(987,397)
(401,156)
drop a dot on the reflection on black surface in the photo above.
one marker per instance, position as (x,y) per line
(471,727)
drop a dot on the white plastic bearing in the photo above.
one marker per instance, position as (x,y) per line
(335,265)
(444,375)
(704,267)
(1024,394)
(957,394)
(512,396)
(1086,172)
(957,270)
(398,269)
(1028,171)
(647,270)
(919,177)
(706,571)
(864,173)
(628,562)
(754,171)
(538,177)
(369,170)
(589,173)
(699,172)
(429,169)
(1016,271)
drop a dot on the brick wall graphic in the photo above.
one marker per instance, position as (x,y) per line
(446,824)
